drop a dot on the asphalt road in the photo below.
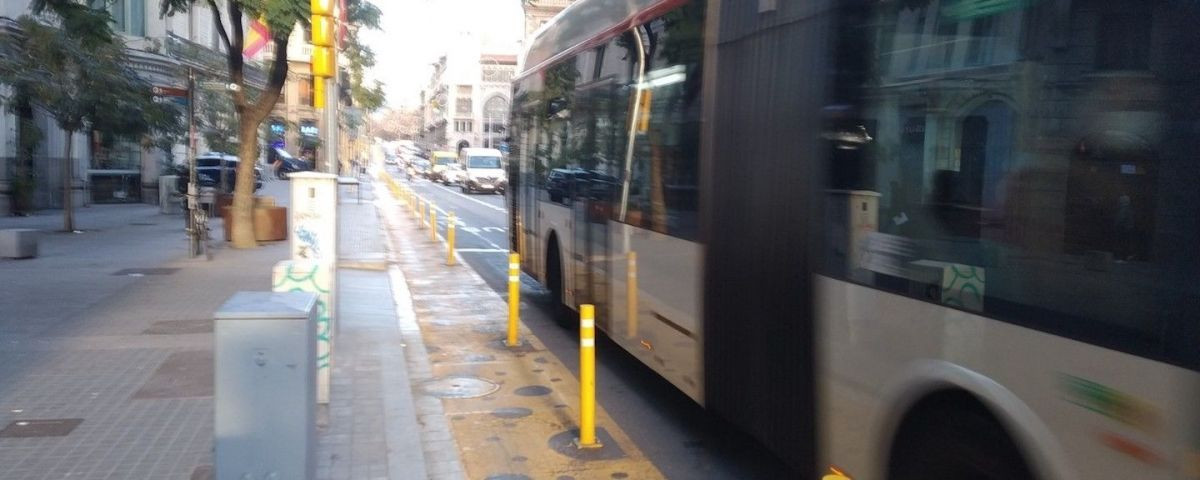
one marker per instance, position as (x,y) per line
(682,440)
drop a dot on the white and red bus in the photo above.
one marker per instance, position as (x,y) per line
(912,239)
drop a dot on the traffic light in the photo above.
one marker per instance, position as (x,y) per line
(324,55)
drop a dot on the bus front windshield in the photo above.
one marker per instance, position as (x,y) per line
(483,162)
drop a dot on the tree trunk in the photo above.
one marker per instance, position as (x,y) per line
(68,214)
(242,211)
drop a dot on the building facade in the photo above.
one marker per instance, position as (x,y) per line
(162,50)
(468,99)
(539,12)
(295,124)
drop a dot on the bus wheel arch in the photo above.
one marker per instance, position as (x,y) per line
(951,434)
(945,385)
(555,280)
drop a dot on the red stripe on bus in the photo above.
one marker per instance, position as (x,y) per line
(637,18)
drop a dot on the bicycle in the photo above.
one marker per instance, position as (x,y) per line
(199,231)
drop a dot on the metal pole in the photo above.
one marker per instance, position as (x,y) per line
(193,190)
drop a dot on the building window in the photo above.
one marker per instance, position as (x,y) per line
(462,101)
(306,91)
(129,16)
(463,126)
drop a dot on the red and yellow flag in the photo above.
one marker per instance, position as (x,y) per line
(256,38)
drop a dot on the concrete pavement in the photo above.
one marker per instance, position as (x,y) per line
(106,350)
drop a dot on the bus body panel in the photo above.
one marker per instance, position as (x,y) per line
(1067,403)
(667,335)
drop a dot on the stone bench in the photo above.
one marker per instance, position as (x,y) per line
(18,243)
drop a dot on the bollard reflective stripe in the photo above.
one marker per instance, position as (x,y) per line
(631,296)
(514,298)
(587,377)
(450,221)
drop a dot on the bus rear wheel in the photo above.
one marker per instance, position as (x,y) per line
(554,282)
(952,436)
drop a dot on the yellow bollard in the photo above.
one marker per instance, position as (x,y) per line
(514,298)
(432,222)
(587,378)
(631,295)
(450,239)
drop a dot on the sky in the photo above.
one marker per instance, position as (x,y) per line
(414,33)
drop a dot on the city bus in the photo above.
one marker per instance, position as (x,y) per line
(909,239)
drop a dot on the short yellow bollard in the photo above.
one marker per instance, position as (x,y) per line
(432,222)
(587,378)
(450,238)
(631,295)
(514,298)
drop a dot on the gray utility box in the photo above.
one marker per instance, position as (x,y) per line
(266,384)
(18,243)
(168,203)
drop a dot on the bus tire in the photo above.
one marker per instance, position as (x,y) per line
(952,436)
(554,282)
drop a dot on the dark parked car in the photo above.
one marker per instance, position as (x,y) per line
(289,164)
(208,173)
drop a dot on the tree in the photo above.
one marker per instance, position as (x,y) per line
(359,57)
(82,78)
(280,16)
(217,120)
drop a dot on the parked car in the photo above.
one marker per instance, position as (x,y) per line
(288,163)
(208,173)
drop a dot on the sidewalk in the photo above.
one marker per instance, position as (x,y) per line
(106,350)
(372,432)
(511,412)
(107,338)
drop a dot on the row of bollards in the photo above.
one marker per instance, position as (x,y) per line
(426,214)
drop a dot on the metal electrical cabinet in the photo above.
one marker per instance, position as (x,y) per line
(265,377)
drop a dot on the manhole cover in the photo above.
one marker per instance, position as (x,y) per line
(40,428)
(532,391)
(138,272)
(460,387)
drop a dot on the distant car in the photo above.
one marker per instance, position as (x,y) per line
(453,174)
(484,170)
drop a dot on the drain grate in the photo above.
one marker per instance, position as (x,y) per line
(58,427)
(141,272)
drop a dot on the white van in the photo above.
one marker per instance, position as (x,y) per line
(484,170)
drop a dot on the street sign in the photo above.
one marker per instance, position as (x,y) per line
(169,91)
